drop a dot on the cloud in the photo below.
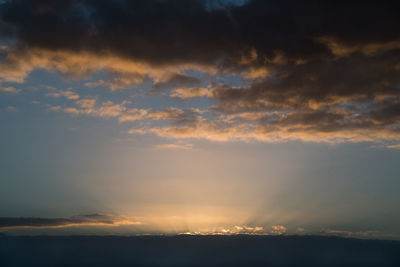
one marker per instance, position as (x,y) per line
(329,73)
(200,34)
(395,146)
(278,229)
(86,103)
(232,230)
(168,113)
(69,94)
(174,146)
(133,115)
(72,111)
(185,93)
(371,48)
(175,80)
(89,106)
(96,83)
(53,108)
(10,89)
(11,109)
(201,129)
(122,72)
(348,233)
(300,230)
(248,229)
(331,125)
(137,131)
(243,38)
(108,109)
(95,219)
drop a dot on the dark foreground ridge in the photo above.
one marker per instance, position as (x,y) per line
(241,250)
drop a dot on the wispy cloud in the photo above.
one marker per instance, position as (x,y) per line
(174,146)
(186,93)
(96,219)
(396,146)
(69,94)
(96,83)
(11,109)
(10,90)
(53,108)
(349,233)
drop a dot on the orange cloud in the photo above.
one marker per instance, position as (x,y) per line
(342,49)
(279,229)
(124,72)
(186,93)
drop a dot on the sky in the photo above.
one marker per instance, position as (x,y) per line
(200,117)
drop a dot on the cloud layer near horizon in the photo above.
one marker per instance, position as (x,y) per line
(314,71)
(95,219)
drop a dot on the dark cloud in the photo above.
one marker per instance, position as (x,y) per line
(188,31)
(154,31)
(357,92)
(318,66)
(32,222)
(176,80)
(322,80)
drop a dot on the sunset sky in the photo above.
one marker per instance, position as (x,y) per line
(201,117)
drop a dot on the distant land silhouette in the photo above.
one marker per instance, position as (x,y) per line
(237,250)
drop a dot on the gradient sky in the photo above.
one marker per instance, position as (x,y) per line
(225,117)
